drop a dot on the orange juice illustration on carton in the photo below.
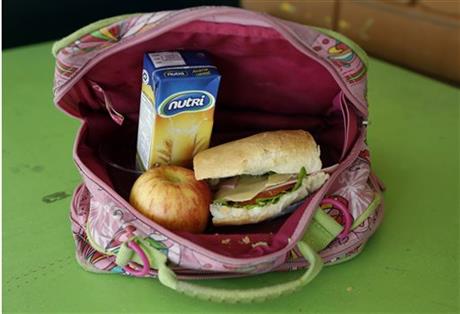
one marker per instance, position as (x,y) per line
(179,91)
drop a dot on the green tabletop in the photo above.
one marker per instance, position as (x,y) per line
(410,265)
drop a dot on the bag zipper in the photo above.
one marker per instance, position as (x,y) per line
(194,14)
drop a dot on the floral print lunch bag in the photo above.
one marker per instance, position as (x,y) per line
(275,75)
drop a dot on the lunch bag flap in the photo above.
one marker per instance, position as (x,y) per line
(83,50)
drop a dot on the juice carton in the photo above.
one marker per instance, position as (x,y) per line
(179,91)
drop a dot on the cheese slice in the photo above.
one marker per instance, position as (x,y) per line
(277,179)
(247,187)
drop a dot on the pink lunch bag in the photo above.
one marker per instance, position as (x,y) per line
(275,75)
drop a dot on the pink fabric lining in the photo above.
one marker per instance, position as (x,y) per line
(262,71)
(266,85)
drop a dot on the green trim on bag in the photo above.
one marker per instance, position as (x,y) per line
(322,230)
(64,42)
(168,278)
(93,244)
(350,43)
(256,294)
(125,254)
(369,210)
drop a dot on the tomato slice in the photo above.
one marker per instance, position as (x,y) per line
(267,194)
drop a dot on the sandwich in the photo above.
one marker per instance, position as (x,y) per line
(261,176)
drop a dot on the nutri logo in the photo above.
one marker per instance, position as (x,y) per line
(188,101)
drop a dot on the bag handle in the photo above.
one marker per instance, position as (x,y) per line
(168,278)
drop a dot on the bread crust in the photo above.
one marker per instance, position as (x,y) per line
(284,151)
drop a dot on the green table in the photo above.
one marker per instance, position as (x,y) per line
(410,265)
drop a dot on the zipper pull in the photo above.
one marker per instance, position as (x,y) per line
(115,115)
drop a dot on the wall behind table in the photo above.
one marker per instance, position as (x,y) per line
(423,35)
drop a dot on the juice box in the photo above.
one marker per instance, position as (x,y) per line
(179,91)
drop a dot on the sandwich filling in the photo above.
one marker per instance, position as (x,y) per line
(242,206)
(249,192)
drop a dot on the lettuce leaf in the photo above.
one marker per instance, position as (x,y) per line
(260,202)
(302,174)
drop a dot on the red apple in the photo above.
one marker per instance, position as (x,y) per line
(173,198)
